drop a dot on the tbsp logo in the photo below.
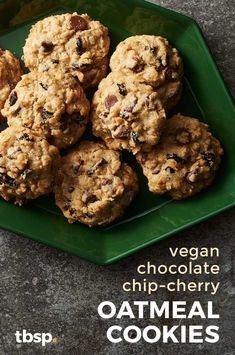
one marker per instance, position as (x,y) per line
(26,337)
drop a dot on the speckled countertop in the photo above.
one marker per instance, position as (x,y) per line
(42,289)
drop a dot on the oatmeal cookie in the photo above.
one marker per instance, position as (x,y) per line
(27,165)
(151,58)
(185,160)
(74,43)
(127,114)
(52,103)
(10,74)
(93,186)
(154,62)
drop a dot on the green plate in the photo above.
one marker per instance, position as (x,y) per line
(150,218)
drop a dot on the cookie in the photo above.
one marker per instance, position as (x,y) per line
(127,114)
(27,165)
(10,74)
(154,62)
(74,43)
(185,160)
(52,103)
(93,186)
(151,58)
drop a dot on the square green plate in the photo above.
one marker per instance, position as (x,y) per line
(150,218)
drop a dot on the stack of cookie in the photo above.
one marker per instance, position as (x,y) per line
(129,108)
(178,155)
(92,185)
(47,111)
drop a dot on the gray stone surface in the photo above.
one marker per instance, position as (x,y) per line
(42,289)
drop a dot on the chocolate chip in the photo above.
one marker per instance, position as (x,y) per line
(170,170)
(152,49)
(208,157)
(7,180)
(72,211)
(66,207)
(122,89)
(90,172)
(25,137)
(71,189)
(77,23)
(10,181)
(121,132)
(44,86)
(138,68)
(13,98)
(46,114)
(131,106)
(47,46)
(176,157)
(89,198)
(80,49)
(124,115)
(146,101)
(64,119)
(104,114)
(55,61)
(110,101)
(134,136)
